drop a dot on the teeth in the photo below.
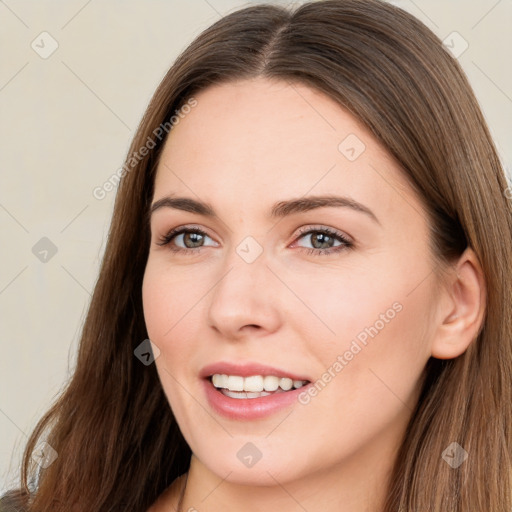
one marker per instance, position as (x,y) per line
(220,381)
(235,383)
(286,384)
(298,383)
(255,383)
(271,383)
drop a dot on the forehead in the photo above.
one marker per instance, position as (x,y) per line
(260,138)
(260,124)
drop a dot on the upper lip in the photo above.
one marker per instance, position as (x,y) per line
(246,370)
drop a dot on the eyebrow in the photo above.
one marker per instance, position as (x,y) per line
(279,210)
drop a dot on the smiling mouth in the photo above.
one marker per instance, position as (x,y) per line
(254,386)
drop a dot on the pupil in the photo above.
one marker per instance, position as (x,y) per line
(325,241)
(192,236)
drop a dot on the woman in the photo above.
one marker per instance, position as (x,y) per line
(374,378)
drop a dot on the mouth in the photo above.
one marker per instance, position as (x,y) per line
(252,397)
(245,391)
(254,386)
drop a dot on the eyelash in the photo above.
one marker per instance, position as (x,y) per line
(345,242)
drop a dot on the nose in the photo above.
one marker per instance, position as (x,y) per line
(245,300)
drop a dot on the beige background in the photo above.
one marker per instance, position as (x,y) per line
(66,122)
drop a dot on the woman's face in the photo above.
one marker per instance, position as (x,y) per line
(337,294)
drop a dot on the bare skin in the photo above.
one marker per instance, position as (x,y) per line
(246,146)
(169,499)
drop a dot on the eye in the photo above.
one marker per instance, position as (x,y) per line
(323,240)
(189,238)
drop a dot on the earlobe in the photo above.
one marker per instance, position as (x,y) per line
(461,308)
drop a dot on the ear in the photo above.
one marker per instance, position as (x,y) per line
(461,308)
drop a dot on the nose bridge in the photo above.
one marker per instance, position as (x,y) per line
(243,296)
(246,262)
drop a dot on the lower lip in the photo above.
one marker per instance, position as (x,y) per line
(249,408)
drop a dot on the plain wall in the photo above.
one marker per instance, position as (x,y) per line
(66,122)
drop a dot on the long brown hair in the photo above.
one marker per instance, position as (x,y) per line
(118,443)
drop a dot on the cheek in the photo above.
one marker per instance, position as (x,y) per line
(383,361)
(166,299)
(378,340)
(167,324)
(171,304)
(373,371)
